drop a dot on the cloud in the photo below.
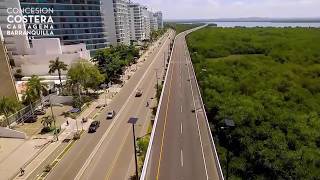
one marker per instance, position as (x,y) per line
(186,9)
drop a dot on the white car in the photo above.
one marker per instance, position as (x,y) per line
(111,114)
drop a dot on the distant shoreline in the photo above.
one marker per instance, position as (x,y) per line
(268,20)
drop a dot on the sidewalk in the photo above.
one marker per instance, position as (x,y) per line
(30,153)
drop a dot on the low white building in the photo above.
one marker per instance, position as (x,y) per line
(36,60)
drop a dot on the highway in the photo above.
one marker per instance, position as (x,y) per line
(108,153)
(181,146)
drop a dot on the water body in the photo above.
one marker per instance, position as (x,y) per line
(267,24)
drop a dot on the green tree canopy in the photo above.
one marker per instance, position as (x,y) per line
(86,74)
(57,65)
(8,106)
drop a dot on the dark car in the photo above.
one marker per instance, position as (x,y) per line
(94,126)
(30,119)
(39,112)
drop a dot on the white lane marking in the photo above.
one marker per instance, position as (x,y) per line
(201,143)
(181,108)
(181,128)
(97,147)
(181,158)
(146,161)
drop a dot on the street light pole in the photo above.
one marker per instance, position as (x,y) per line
(54,119)
(164,60)
(133,122)
(135,151)
(157,80)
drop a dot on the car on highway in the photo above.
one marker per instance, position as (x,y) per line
(111,114)
(94,126)
(139,93)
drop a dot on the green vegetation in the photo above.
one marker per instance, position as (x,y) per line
(267,80)
(8,106)
(59,66)
(35,90)
(86,75)
(157,34)
(179,27)
(111,61)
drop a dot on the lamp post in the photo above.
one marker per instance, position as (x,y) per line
(156,70)
(229,124)
(133,121)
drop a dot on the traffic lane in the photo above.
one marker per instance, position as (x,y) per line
(112,145)
(195,163)
(188,153)
(123,162)
(154,154)
(170,162)
(205,132)
(107,141)
(126,157)
(67,169)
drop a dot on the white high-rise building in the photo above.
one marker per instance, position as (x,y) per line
(146,22)
(15,42)
(159,19)
(136,20)
(153,21)
(116,20)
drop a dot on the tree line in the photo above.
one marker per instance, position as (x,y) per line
(267,80)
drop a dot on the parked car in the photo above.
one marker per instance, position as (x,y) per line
(94,126)
(39,112)
(30,119)
(101,106)
(111,114)
(138,93)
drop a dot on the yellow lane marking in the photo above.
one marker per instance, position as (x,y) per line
(165,123)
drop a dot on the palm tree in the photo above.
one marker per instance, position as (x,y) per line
(47,121)
(8,106)
(35,89)
(59,66)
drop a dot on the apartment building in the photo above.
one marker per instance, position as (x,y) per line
(7,85)
(146,22)
(159,19)
(116,21)
(137,30)
(74,21)
(153,21)
(15,43)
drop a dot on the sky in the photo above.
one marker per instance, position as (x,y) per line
(211,9)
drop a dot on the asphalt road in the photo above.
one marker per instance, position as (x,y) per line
(108,153)
(181,148)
